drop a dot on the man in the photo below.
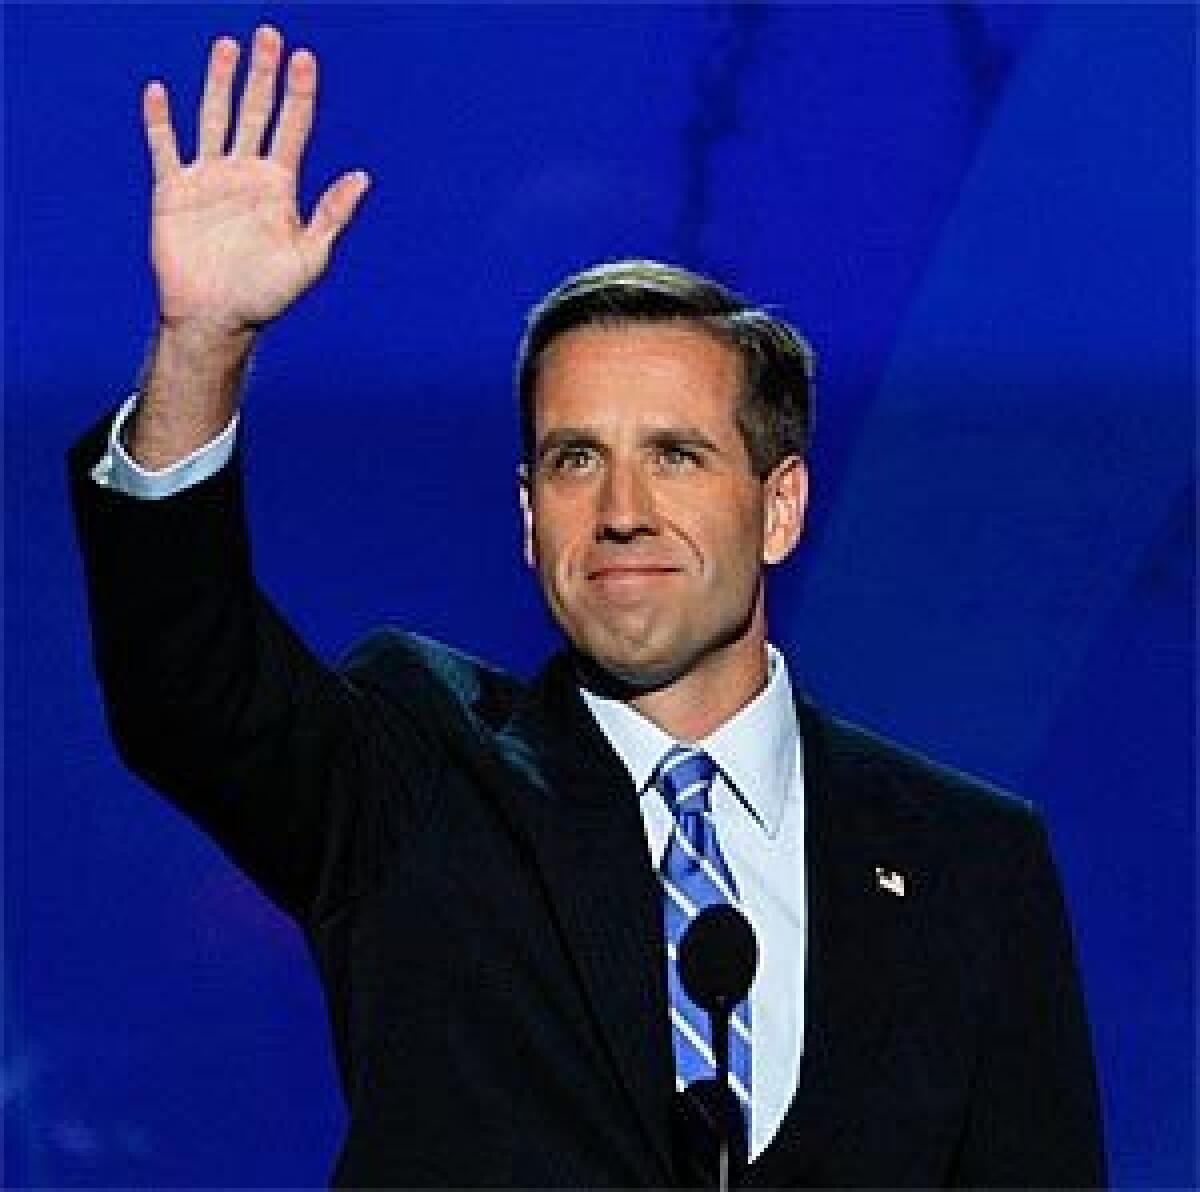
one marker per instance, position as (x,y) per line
(494,877)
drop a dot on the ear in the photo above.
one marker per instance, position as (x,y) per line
(785,496)
(525,496)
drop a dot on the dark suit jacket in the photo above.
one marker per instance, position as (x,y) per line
(465,855)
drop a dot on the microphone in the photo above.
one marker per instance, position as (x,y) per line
(718,955)
(717,958)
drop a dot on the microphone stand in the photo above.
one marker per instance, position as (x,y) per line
(717,958)
(719,1018)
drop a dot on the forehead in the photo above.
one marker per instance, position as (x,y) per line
(653,371)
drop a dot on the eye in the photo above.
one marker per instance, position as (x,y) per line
(675,458)
(572,459)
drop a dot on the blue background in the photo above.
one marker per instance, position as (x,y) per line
(982,216)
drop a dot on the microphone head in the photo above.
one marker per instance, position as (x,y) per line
(703,1115)
(717,958)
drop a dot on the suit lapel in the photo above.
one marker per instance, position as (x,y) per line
(590,845)
(857,932)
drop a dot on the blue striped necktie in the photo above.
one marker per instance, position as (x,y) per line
(695,876)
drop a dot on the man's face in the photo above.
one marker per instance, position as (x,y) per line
(643,516)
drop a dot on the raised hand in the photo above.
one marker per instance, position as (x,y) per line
(229,248)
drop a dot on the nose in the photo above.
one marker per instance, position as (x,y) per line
(625,503)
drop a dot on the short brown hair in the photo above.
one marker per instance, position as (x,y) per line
(774,409)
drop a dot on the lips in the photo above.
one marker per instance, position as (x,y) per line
(630,585)
(619,571)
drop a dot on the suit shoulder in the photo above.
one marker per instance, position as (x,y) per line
(915,785)
(981,852)
(408,666)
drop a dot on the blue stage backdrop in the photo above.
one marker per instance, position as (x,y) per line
(983,217)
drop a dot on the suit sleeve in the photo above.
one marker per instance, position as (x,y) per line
(1034,1114)
(302,774)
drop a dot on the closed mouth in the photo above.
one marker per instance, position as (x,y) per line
(616,571)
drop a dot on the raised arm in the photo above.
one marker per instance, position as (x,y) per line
(302,773)
(229,248)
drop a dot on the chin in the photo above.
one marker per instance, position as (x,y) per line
(621,676)
(624,666)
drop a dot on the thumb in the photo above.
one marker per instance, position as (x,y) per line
(334,210)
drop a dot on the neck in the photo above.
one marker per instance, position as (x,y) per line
(711,693)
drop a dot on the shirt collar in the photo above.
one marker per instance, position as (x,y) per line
(755,749)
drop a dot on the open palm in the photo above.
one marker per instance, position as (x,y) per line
(228,245)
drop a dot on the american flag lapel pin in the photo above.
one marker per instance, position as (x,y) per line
(890,880)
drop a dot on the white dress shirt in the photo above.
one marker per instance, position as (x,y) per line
(757,802)
(120,471)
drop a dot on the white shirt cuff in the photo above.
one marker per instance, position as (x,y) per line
(119,471)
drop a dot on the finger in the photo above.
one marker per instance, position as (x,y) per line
(160,136)
(258,96)
(296,114)
(335,209)
(214,107)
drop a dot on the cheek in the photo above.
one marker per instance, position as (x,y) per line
(731,545)
(552,543)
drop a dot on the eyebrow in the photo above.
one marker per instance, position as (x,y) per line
(683,436)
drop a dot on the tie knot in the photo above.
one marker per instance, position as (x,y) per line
(684,777)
